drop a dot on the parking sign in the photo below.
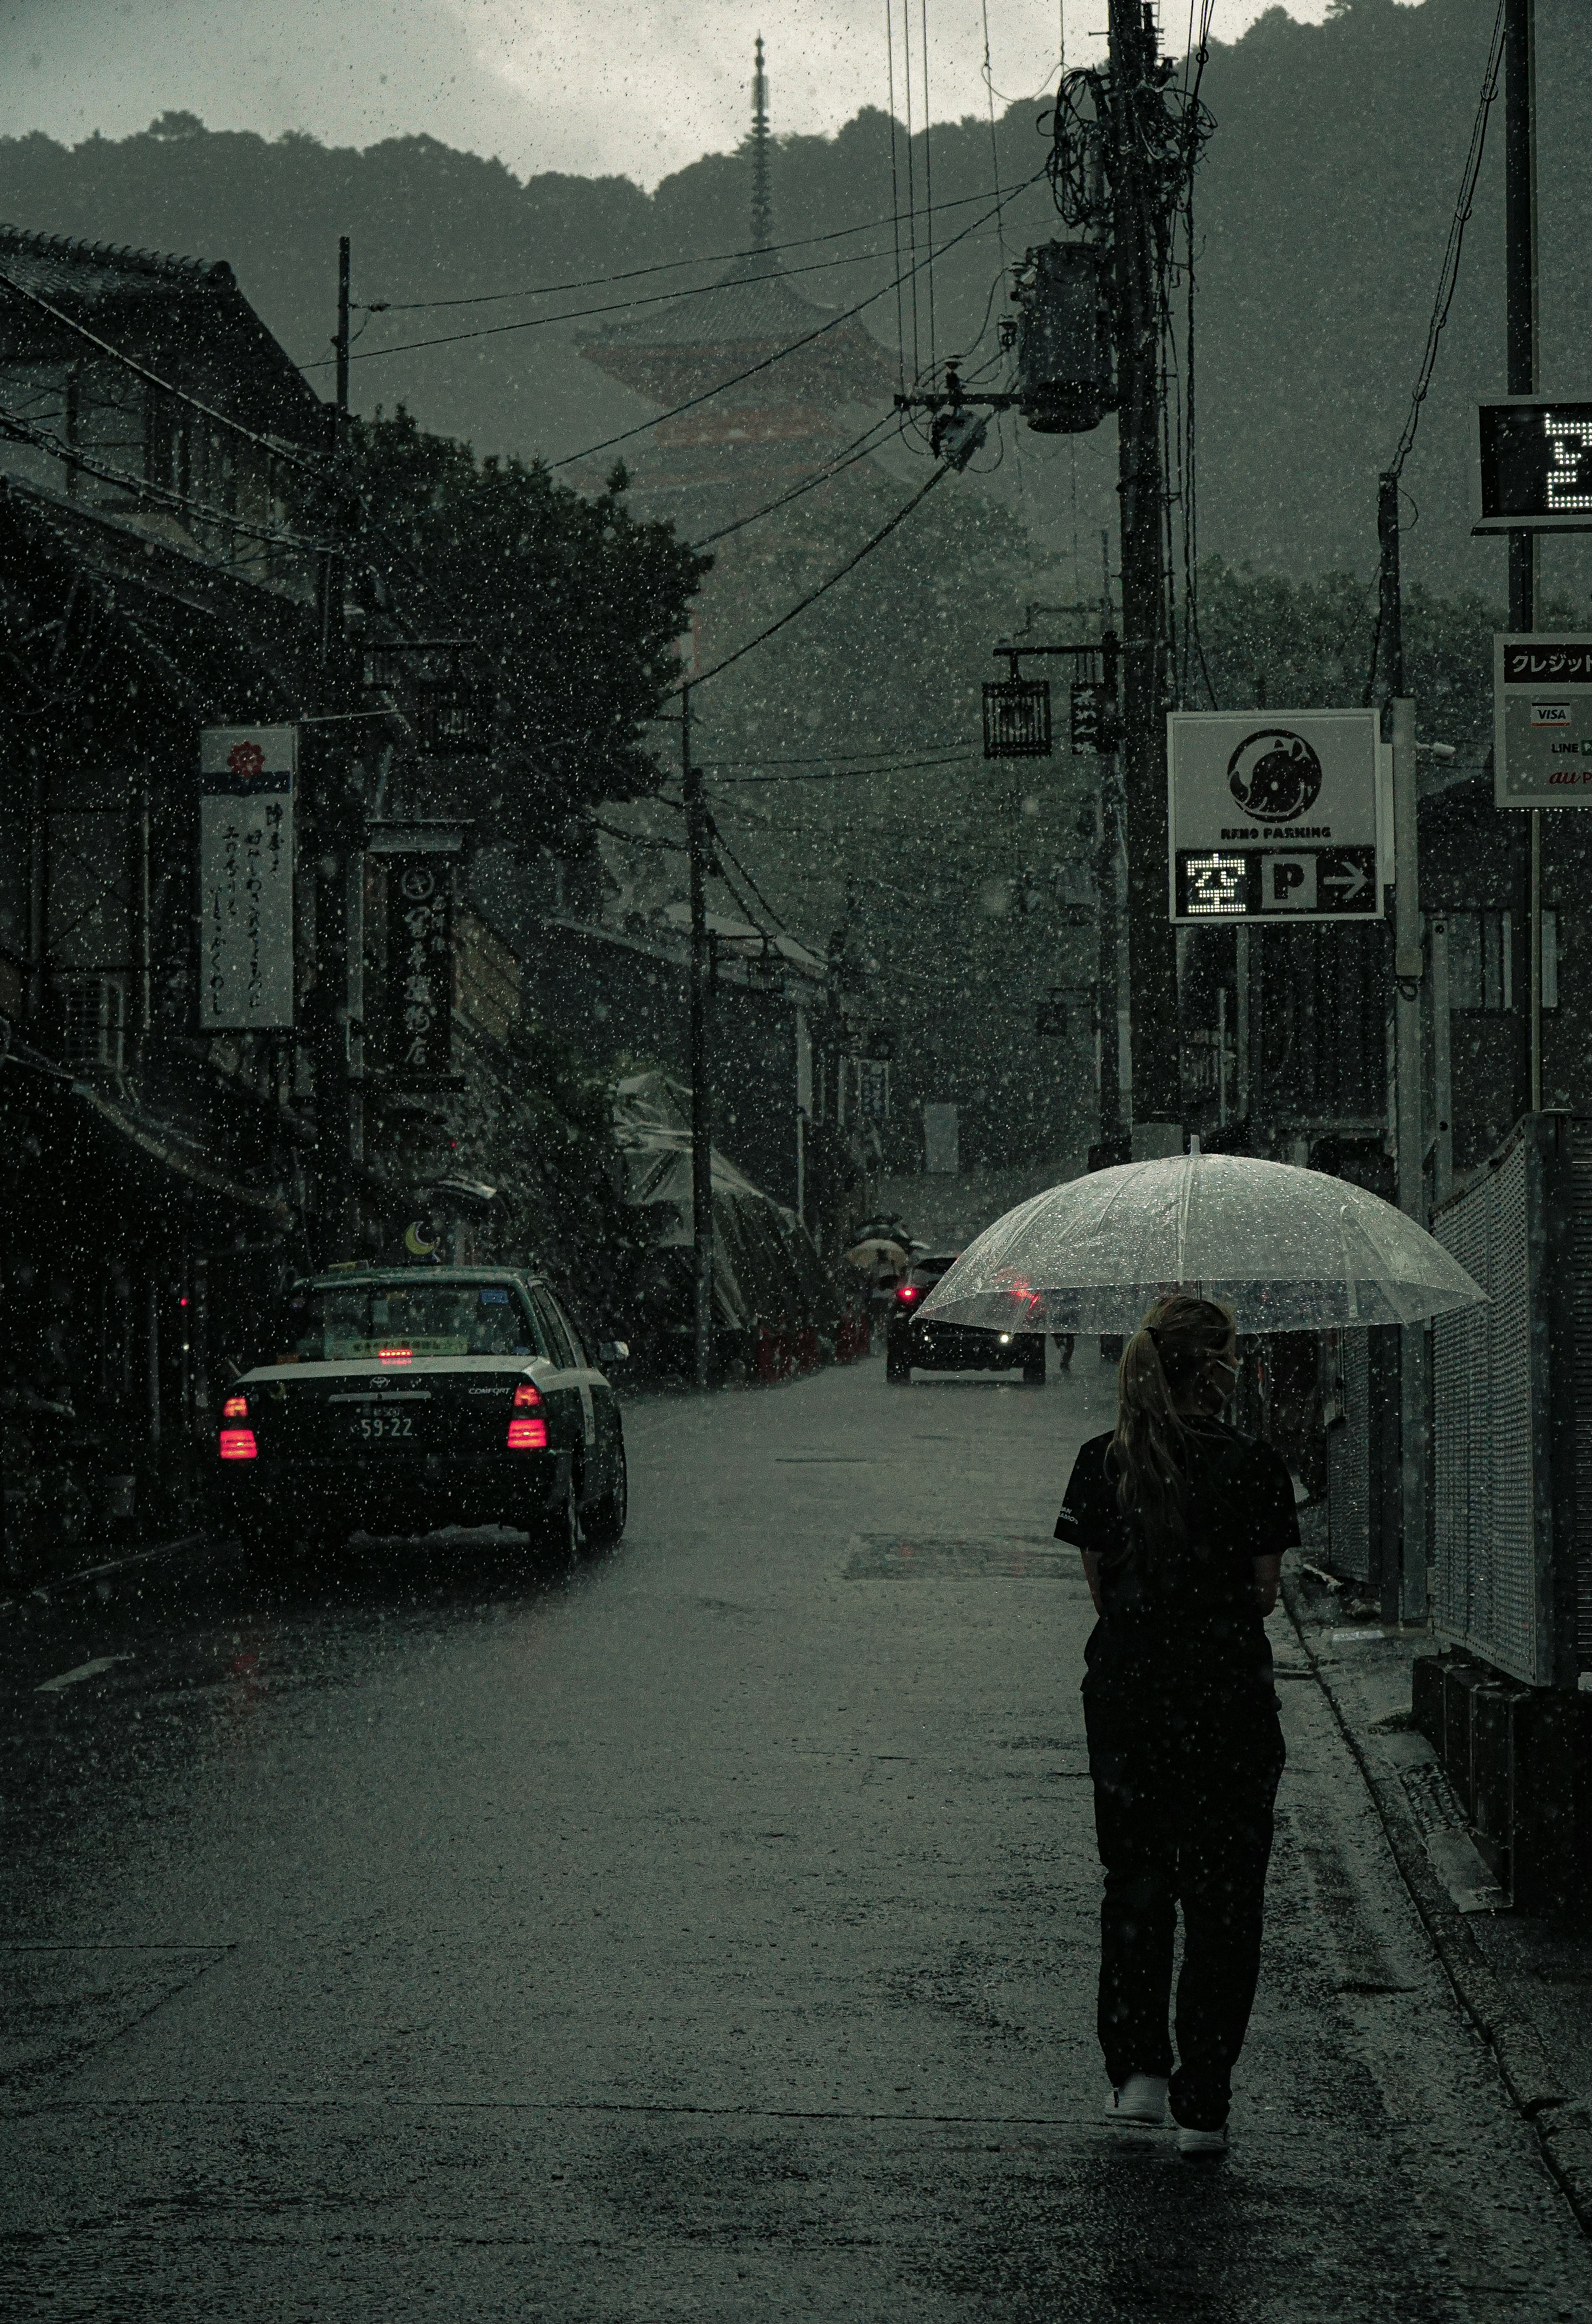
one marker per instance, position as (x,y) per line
(1275,815)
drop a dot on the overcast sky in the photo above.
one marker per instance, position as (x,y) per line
(593,86)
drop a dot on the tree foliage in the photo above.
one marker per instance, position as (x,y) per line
(576,603)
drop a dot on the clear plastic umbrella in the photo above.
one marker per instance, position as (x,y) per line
(1286,1249)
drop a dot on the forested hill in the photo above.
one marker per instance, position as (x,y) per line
(1323,203)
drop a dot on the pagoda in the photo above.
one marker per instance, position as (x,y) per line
(708,466)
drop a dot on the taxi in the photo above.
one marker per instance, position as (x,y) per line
(405,1398)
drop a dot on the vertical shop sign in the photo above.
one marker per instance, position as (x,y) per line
(420,962)
(247,878)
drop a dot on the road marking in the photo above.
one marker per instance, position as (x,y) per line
(83,1670)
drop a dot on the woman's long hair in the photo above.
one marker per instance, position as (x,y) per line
(1162,1362)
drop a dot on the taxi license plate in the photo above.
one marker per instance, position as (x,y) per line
(384,1427)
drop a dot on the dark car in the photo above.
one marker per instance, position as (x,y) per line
(404,1398)
(936,1347)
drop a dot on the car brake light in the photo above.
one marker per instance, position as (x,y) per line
(396,1355)
(526,1395)
(909,1294)
(237,1407)
(528,1435)
(238,1444)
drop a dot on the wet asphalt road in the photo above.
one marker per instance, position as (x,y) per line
(707,1933)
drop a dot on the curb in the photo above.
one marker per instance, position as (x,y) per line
(24,1596)
(1564,2129)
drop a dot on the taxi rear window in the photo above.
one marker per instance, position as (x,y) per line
(359,1322)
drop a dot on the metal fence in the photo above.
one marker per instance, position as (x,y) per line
(1510,1581)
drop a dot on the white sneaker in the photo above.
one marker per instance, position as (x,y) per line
(1141,2100)
(1203,2144)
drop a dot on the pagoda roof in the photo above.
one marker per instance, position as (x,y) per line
(748,313)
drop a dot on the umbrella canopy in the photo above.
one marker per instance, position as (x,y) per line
(881,1260)
(1286,1249)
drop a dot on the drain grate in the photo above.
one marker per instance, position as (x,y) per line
(941,1557)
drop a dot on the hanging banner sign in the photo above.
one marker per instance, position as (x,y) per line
(419,965)
(247,878)
(1278,815)
(1541,721)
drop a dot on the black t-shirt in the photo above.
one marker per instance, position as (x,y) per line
(1186,1613)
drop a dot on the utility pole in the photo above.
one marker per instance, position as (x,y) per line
(336,834)
(342,341)
(1521,340)
(1153,981)
(701,1108)
(1105,862)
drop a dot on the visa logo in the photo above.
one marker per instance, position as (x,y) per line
(1551,714)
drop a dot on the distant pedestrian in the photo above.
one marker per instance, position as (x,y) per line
(1182,1523)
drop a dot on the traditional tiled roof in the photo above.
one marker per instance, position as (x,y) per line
(751,312)
(183,318)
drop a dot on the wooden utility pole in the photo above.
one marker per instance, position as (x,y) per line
(701,1106)
(1153,981)
(1520,339)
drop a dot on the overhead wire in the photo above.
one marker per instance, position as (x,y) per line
(766,363)
(307,464)
(585,314)
(859,448)
(855,774)
(659,266)
(812,596)
(895,196)
(1446,283)
(927,176)
(27,431)
(906,46)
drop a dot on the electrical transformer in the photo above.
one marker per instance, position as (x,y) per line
(1064,375)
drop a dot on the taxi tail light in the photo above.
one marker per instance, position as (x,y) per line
(238,1444)
(526,1396)
(237,1407)
(527,1434)
(909,1294)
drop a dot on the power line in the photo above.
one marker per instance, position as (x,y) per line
(829,758)
(896,194)
(26,432)
(859,448)
(813,596)
(612,306)
(928,175)
(1447,282)
(753,369)
(310,467)
(724,847)
(1448,273)
(664,265)
(855,774)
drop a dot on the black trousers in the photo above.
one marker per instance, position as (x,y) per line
(1183,1796)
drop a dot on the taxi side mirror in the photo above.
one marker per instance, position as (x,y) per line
(613,1352)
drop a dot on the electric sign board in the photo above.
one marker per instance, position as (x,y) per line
(1534,465)
(1543,721)
(1277,815)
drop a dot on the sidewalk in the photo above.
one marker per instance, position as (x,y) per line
(1525,1981)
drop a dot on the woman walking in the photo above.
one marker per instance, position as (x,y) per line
(1182,1523)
